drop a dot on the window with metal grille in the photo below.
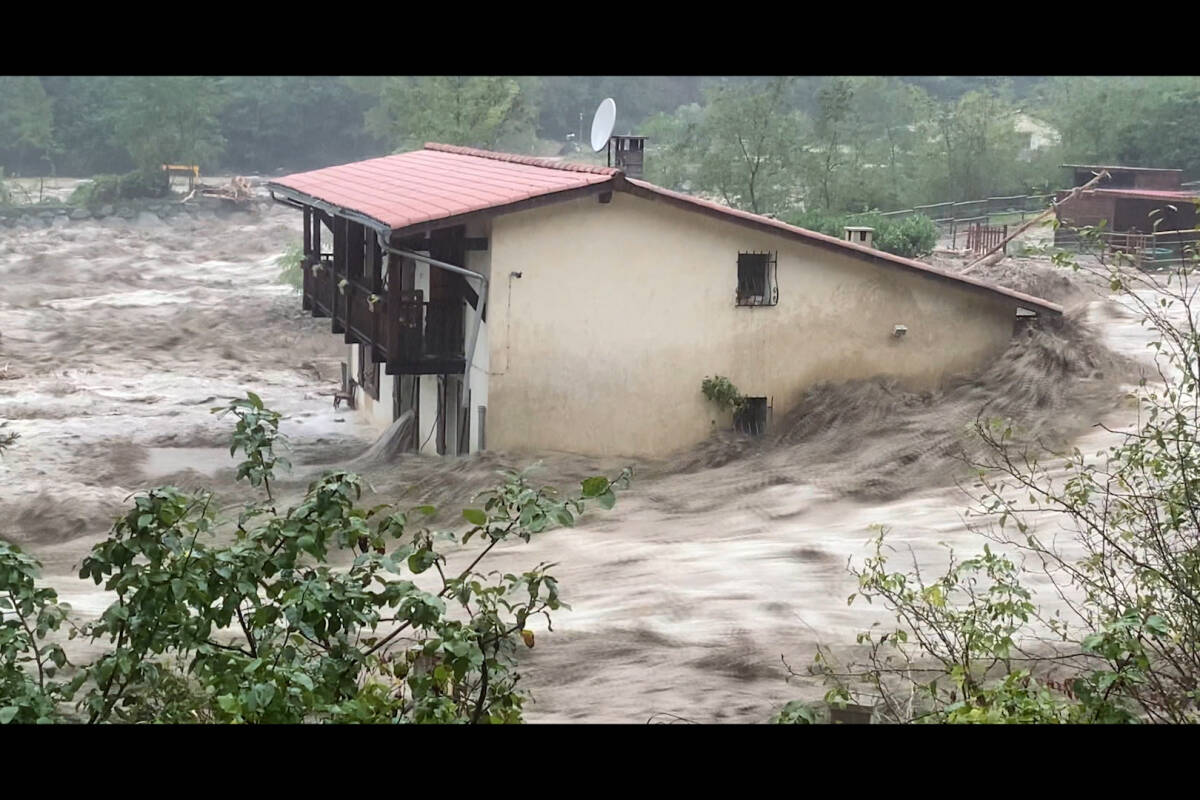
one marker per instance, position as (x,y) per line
(756,279)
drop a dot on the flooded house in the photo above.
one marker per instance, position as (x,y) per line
(523,304)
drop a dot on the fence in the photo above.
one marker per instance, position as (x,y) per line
(982,238)
(1147,251)
(951,215)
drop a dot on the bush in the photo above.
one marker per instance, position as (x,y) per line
(291,266)
(975,645)
(107,189)
(911,237)
(264,628)
(721,392)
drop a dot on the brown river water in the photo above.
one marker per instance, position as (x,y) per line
(116,338)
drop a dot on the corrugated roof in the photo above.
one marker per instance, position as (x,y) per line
(1098,167)
(439,181)
(1148,194)
(443,181)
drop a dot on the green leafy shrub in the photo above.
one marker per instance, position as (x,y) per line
(721,391)
(974,645)
(913,236)
(291,266)
(325,612)
(108,189)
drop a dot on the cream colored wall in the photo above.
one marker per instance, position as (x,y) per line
(623,309)
(377,412)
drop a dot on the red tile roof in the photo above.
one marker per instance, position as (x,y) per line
(444,181)
(439,181)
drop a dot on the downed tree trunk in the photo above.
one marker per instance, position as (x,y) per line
(990,257)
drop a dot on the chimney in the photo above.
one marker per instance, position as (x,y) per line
(860,235)
(627,153)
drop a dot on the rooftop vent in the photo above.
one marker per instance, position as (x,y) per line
(860,235)
(627,153)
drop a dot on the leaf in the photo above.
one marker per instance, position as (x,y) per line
(7,714)
(593,487)
(474,516)
(421,560)
(607,500)
(527,637)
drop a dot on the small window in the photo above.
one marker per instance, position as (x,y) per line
(368,372)
(482,428)
(752,417)
(756,279)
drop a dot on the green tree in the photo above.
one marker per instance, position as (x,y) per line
(26,125)
(485,111)
(831,154)
(275,122)
(168,120)
(746,149)
(324,612)
(85,110)
(976,144)
(672,143)
(1117,636)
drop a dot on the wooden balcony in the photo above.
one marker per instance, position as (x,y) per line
(409,334)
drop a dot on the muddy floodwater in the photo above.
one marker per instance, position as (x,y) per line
(118,336)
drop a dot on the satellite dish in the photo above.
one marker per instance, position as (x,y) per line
(602,123)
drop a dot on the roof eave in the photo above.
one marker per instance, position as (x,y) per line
(330,208)
(837,245)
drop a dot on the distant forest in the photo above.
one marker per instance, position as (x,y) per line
(772,145)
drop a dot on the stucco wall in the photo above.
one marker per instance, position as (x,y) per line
(623,309)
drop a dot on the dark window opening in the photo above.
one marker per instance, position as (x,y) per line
(756,279)
(482,428)
(751,418)
(368,372)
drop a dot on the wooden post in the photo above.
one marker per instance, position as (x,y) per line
(307,232)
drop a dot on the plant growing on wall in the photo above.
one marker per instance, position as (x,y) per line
(721,392)
(266,627)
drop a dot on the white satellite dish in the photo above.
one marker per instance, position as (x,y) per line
(602,123)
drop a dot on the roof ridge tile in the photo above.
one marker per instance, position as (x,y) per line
(513,158)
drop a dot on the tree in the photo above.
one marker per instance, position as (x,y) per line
(85,110)
(672,143)
(747,146)
(1118,639)
(263,625)
(889,115)
(168,120)
(976,142)
(832,125)
(474,111)
(26,124)
(294,122)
